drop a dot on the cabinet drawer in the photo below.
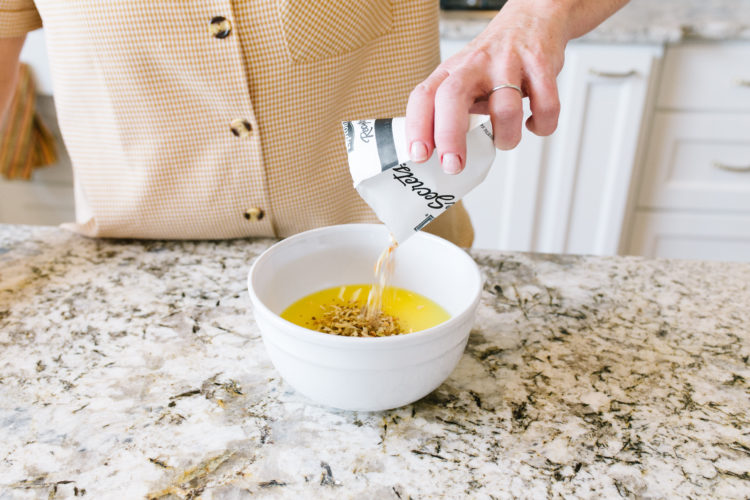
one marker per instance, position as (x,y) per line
(706,76)
(698,161)
(691,236)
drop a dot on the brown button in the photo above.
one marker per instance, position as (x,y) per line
(220,27)
(253,214)
(241,128)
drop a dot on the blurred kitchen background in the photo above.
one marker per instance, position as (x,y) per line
(651,156)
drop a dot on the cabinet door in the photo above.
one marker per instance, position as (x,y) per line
(706,76)
(698,161)
(691,235)
(590,159)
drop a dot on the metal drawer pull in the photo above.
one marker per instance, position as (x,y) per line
(610,74)
(732,168)
(743,82)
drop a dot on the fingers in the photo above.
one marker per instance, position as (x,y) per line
(545,105)
(453,99)
(420,112)
(506,113)
(437,117)
(437,113)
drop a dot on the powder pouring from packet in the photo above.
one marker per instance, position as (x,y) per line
(406,196)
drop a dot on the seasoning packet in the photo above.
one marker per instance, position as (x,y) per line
(407,196)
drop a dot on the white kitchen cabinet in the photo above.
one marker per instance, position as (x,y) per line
(694,191)
(684,235)
(592,157)
(700,76)
(698,161)
(569,192)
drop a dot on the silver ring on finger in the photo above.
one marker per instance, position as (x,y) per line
(506,86)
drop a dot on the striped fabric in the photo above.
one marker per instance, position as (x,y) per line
(220,118)
(25,142)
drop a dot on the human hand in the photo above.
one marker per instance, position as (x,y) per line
(523,46)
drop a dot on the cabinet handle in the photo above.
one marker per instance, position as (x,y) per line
(732,168)
(743,82)
(613,74)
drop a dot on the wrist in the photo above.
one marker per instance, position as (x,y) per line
(567,19)
(546,18)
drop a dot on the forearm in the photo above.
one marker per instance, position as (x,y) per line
(573,18)
(10,49)
(585,15)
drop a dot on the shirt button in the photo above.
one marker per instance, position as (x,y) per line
(220,27)
(241,128)
(253,214)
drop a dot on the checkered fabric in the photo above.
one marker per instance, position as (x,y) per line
(220,119)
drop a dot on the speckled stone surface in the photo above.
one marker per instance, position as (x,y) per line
(135,369)
(640,21)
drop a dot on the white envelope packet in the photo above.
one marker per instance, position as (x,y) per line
(407,196)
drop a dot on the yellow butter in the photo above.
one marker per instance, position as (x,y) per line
(413,311)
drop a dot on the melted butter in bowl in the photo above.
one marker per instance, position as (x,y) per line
(371,373)
(340,310)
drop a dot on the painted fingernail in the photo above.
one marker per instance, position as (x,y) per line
(418,151)
(451,163)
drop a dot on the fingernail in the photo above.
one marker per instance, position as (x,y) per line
(451,163)
(418,151)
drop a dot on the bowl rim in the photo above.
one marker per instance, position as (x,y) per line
(315,337)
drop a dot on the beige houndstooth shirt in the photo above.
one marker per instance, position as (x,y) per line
(220,118)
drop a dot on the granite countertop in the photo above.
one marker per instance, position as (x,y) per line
(640,21)
(134,369)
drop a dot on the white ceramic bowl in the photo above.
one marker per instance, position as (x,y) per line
(352,373)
